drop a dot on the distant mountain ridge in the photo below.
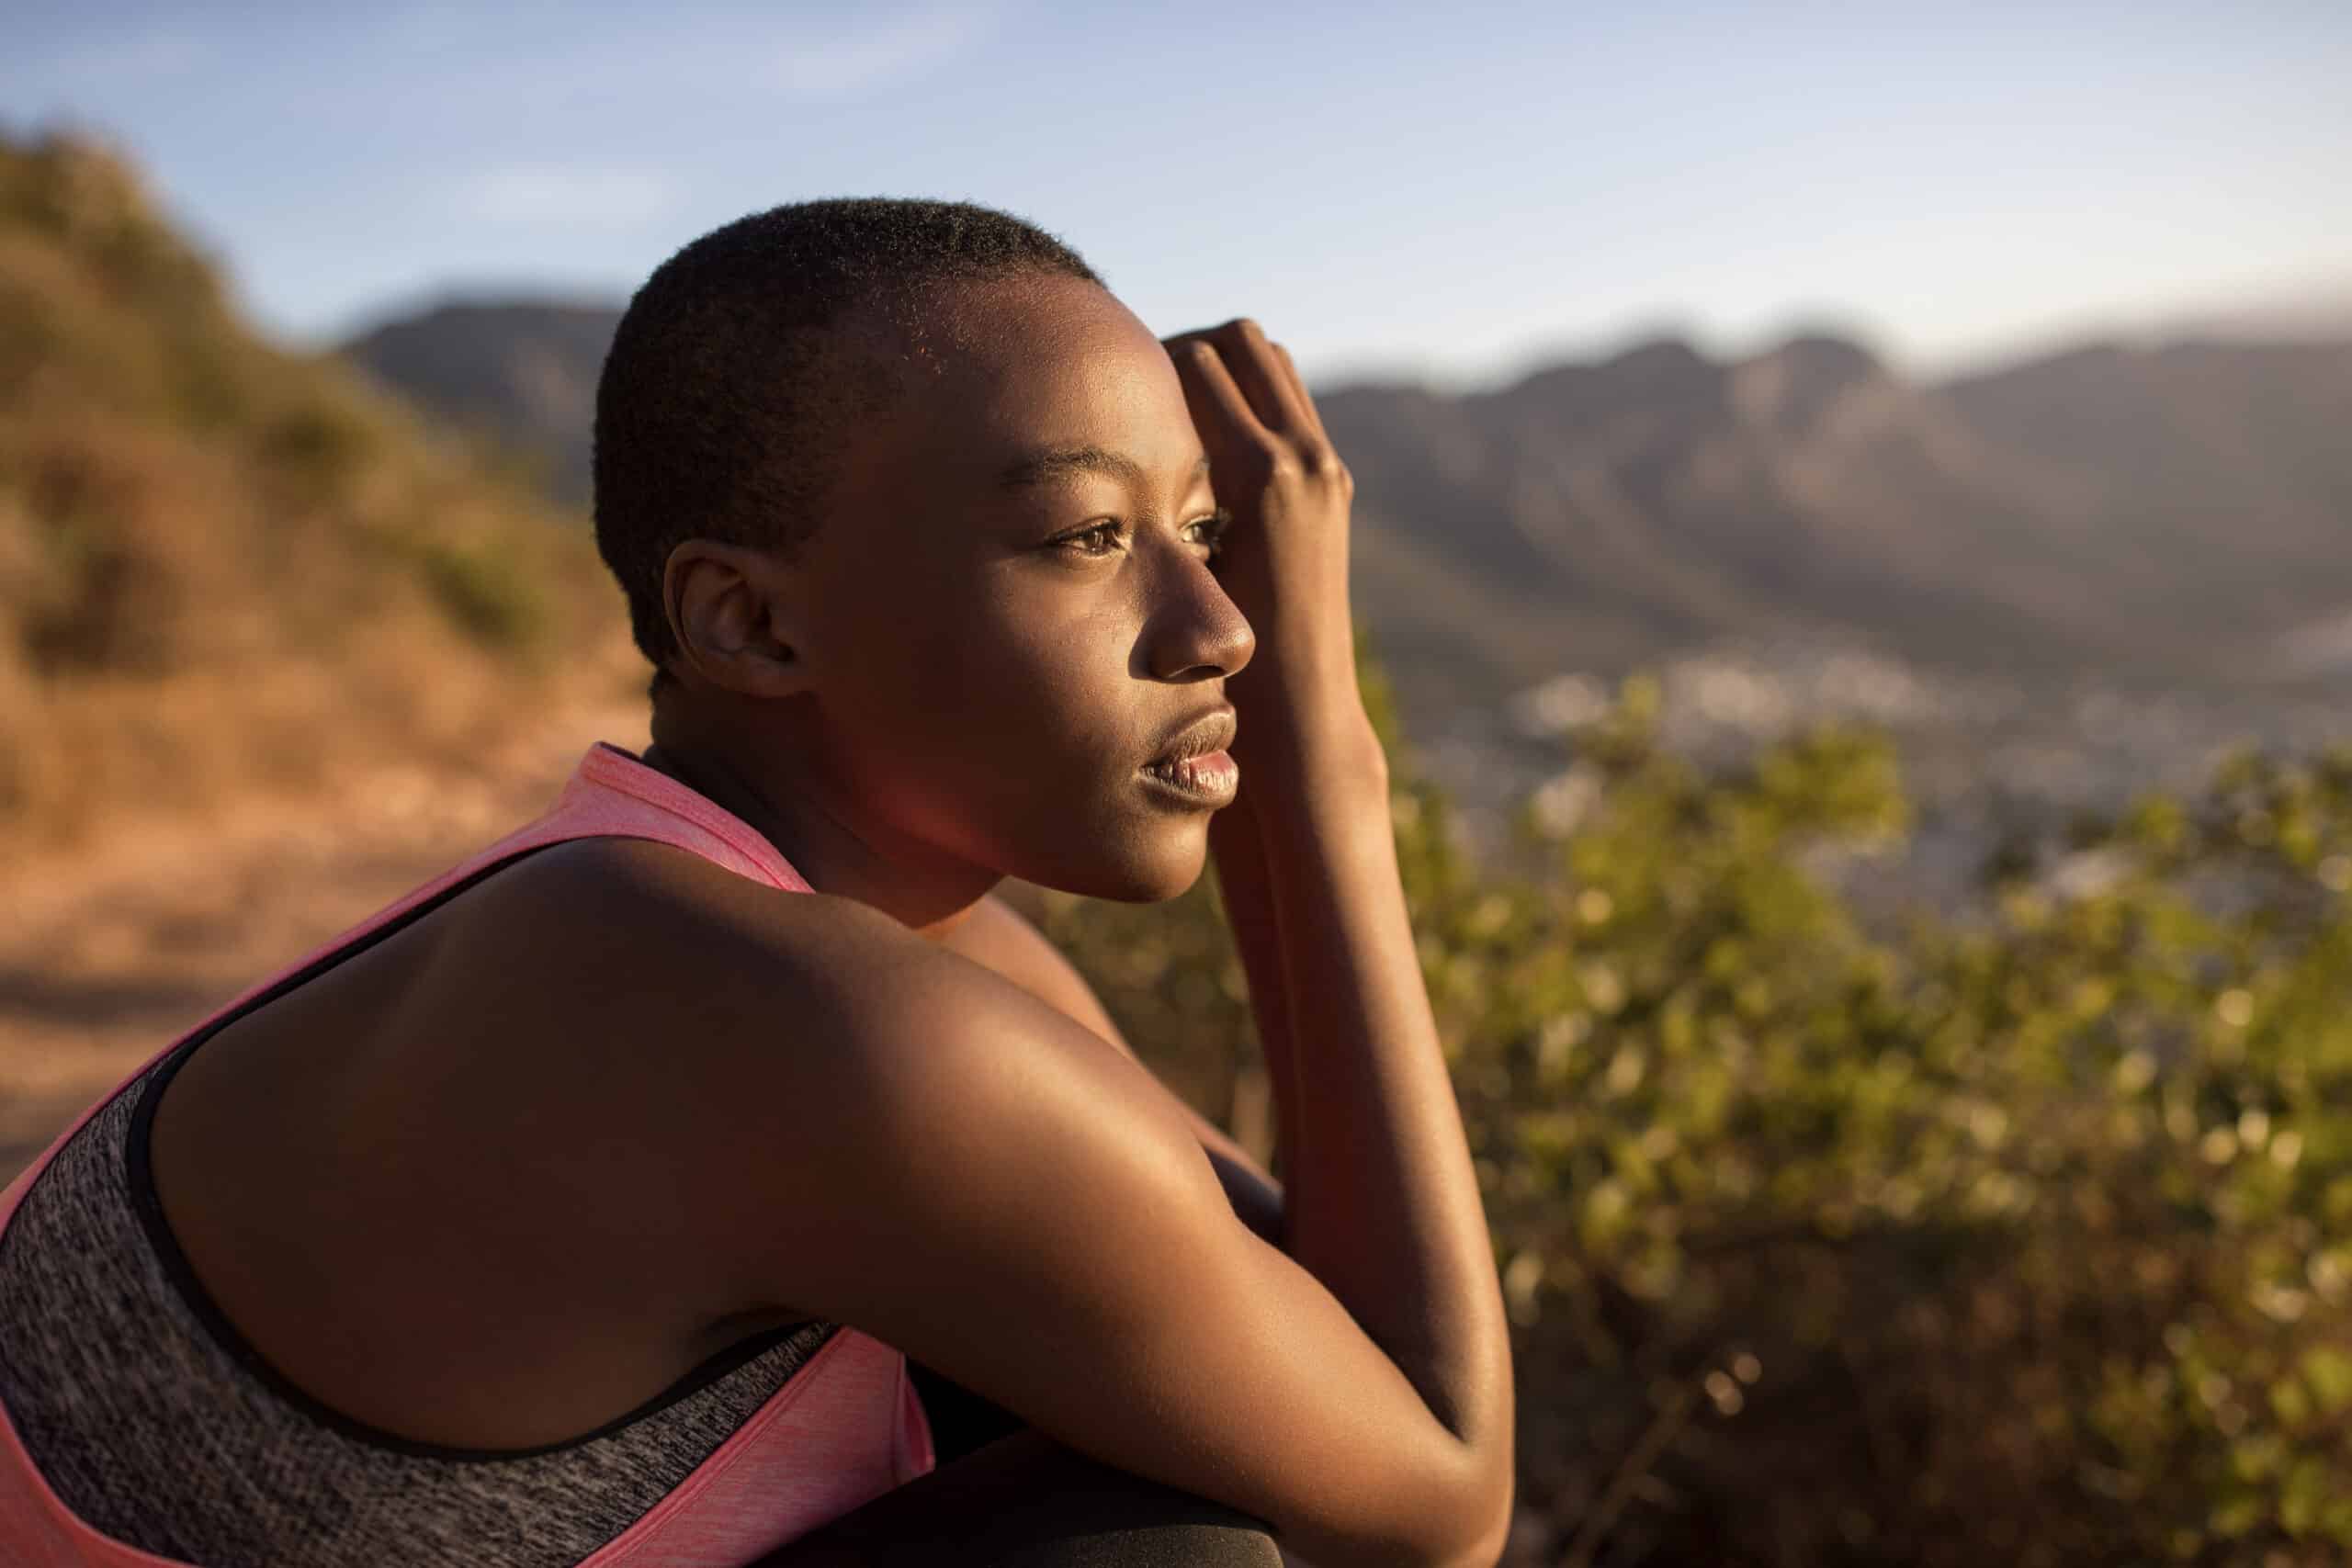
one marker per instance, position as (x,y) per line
(2164,514)
(525,370)
(2159,515)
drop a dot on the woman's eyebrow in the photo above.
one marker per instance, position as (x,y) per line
(1054,463)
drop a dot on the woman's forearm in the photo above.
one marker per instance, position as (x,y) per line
(1248,897)
(1380,1200)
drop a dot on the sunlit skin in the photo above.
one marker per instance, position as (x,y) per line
(616,1108)
(957,679)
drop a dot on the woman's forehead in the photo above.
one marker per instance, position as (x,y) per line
(1026,387)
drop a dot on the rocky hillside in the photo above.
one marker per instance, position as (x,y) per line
(226,569)
(2153,516)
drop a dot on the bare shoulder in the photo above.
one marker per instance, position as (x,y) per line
(635,924)
(605,910)
(644,960)
(580,1029)
(631,931)
(716,1011)
(719,1042)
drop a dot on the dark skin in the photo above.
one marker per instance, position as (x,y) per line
(600,1116)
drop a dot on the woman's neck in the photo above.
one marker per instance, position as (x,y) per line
(776,797)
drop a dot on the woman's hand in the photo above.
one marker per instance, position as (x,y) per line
(1283,557)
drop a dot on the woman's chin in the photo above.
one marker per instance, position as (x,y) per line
(1146,873)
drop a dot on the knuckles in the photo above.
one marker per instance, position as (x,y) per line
(1320,462)
(1266,465)
(1274,464)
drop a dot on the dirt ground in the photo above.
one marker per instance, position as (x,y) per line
(110,950)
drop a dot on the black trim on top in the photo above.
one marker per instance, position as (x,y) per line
(148,1206)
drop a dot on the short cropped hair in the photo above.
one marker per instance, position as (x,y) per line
(731,380)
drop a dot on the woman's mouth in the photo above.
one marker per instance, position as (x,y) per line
(1212,779)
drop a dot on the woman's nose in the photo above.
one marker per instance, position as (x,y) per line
(1194,631)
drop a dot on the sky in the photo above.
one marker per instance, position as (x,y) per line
(1450,192)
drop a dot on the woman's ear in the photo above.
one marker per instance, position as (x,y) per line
(731,613)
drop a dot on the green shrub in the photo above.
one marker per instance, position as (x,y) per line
(2023,1239)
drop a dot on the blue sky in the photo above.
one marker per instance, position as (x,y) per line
(1450,191)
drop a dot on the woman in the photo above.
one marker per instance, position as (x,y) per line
(587,1204)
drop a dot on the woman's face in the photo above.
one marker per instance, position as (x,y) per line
(1011,608)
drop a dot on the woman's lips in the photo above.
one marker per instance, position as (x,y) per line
(1211,780)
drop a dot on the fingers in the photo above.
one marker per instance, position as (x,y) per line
(1314,415)
(1262,370)
(1243,344)
(1220,409)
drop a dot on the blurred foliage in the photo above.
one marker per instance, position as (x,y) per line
(2020,1238)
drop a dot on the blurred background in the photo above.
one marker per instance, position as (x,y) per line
(1851,534)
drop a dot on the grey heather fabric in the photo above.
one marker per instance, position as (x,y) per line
(153,1432)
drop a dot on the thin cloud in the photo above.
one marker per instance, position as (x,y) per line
(889,54)
(568,196)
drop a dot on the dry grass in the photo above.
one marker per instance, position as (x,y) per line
(226,570)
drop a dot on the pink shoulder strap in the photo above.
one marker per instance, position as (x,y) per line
(847,1427)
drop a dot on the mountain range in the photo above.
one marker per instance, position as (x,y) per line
(2175,514)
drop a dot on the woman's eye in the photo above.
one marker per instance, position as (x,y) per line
(1212,530)
(1100,540)
(1103,538)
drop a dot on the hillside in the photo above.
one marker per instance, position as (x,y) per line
(2152,515)
(225,569)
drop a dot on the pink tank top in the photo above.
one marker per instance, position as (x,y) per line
(843,1429)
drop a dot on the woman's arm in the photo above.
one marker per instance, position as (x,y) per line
(1381,1201)
(889,1136)
(1235,843)
(999,936)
